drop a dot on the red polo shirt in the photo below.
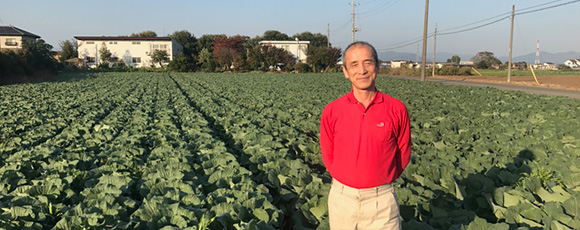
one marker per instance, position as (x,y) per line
(365,147)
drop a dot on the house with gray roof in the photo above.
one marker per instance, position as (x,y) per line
(12,37)
(573,63)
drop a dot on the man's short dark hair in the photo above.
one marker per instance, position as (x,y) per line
(357,43)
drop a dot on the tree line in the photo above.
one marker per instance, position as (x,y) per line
(219,53)
(33,62)
(208,53)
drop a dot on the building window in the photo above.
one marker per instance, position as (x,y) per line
(11,42)
(136,60)
(90,43)
(136,43)
(91,59)
(113,43)
(158,47)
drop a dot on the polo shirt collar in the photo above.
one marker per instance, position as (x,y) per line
(379,97)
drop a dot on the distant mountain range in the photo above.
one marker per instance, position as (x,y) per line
(556,58)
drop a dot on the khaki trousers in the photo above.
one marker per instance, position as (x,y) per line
(371,208)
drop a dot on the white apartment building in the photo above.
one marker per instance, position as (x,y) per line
(134,51)
(296,48)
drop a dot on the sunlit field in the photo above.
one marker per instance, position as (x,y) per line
(241,151)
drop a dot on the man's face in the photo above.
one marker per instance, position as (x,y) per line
(360,67)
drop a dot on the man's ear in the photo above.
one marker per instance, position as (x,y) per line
(345,72)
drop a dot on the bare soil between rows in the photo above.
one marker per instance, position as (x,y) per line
(568,82)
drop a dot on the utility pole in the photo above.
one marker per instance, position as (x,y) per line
(434,50)
(424,40)
(96,54)
(298,48)
(328,35)
(354,29)
(537,61)
(511,45)
(417,54)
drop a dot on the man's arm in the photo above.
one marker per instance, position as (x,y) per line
(327,138)
(404,141)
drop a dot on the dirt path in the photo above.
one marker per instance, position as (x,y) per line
(566,86)
(554,82)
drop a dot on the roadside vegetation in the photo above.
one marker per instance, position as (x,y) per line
(33,62)
(222,53)
(503,72)
(483,62)
(208,53)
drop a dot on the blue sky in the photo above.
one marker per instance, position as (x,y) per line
(384,23)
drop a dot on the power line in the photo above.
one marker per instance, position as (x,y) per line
(370,2)
(406,42)
(508,16)
(342,25)
(476,27)
(378,9)
(396,46)
(404,45)
(503,17)
(548,7)
(477,22)
(360,25)
(348,21)
(545,3)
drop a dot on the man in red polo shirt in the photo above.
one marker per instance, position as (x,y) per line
(365,141)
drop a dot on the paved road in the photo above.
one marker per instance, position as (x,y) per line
(530,89)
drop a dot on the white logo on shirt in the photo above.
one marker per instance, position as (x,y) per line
(380,124)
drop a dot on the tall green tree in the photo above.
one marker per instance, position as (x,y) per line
(323,58)
(317,40)
(34,60)
(69,50)
(206,41)
(455,59)
(274,35)
(12,67)
(256,57)
(206,60)
(250,43)
(485,60)
(265,56)
(187,40)
(145,34)
(182,63)
(105,54)
(159,57)
(38,55)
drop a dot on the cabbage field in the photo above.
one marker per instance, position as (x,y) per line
(240,151)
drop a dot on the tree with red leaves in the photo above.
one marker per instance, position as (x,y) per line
(229,52)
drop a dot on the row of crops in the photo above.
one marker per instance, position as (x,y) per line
(240,151)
